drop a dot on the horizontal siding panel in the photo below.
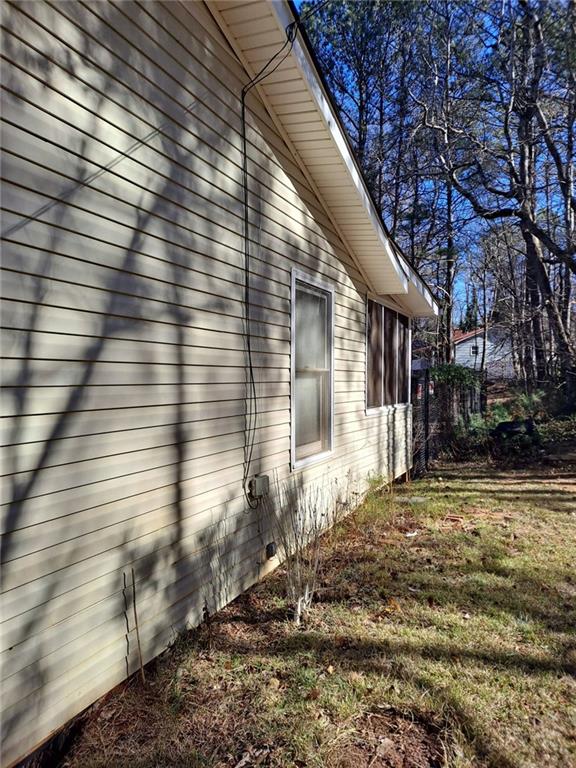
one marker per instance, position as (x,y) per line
(55,480)
(200,567)
(44,372)
(87,423)
(123,317)
(175,439)
(59,346)
(137,533)
(33,592)
(130,178)
(77,586)
(26,456)
(43,535)
(81,605)
(19,287)
(19,313)
(101,678)
(210,89)
(358,453)
(46,504)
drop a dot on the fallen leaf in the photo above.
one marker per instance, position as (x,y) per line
(330,669)
(244,760)
(392,605)
(314,694)
(386,745)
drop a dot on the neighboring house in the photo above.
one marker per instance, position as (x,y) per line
(422,355)
(469,346)
(146,381)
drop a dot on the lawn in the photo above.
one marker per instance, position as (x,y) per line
(443,635)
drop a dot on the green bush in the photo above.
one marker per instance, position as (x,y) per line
(497,413)
(528,405)
(455,375)
(558,430)
(470,440)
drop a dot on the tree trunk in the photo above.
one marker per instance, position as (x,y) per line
(534,325)
(449,277)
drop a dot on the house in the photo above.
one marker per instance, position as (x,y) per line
(184,311)
(498,362)
(422,355)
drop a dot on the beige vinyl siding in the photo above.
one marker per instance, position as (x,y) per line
(124,355)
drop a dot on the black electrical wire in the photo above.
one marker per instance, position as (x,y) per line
(251,417)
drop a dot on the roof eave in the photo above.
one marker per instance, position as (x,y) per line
(325,156)
(313,81)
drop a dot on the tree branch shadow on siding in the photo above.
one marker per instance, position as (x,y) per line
(126,294)
(124,314)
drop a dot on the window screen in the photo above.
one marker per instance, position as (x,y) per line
(313,370)
(390,360)
(374,352)
(403,358)
(388,356)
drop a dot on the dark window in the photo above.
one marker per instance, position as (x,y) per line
(375,358)
(388,356)
(475,349)
(403,358)
(390,369)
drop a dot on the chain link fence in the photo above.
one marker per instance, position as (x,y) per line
(438,410)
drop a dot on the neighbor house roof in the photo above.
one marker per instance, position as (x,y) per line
(301,107)
(464,335)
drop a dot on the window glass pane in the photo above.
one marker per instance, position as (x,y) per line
(312,375)
(390,360)
(309,413)
(311,326)
(403,358)
(374,361)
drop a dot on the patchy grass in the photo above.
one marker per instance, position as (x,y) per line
(443,634)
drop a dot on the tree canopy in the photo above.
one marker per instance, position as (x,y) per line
(463,115)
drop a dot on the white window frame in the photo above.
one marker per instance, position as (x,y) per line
(374,409)
(314,282)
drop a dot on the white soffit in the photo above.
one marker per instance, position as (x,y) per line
(295,96)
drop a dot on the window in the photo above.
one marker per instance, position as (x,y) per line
(311,368)
(388,356)
(403,360)
(375,355)
(474,350)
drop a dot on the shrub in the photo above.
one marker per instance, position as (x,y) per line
(470,440)
(558,430)
(454,375)
(496,414)
(528,405)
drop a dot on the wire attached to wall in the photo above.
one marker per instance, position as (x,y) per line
(251,415)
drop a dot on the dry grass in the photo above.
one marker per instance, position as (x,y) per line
(454,646)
